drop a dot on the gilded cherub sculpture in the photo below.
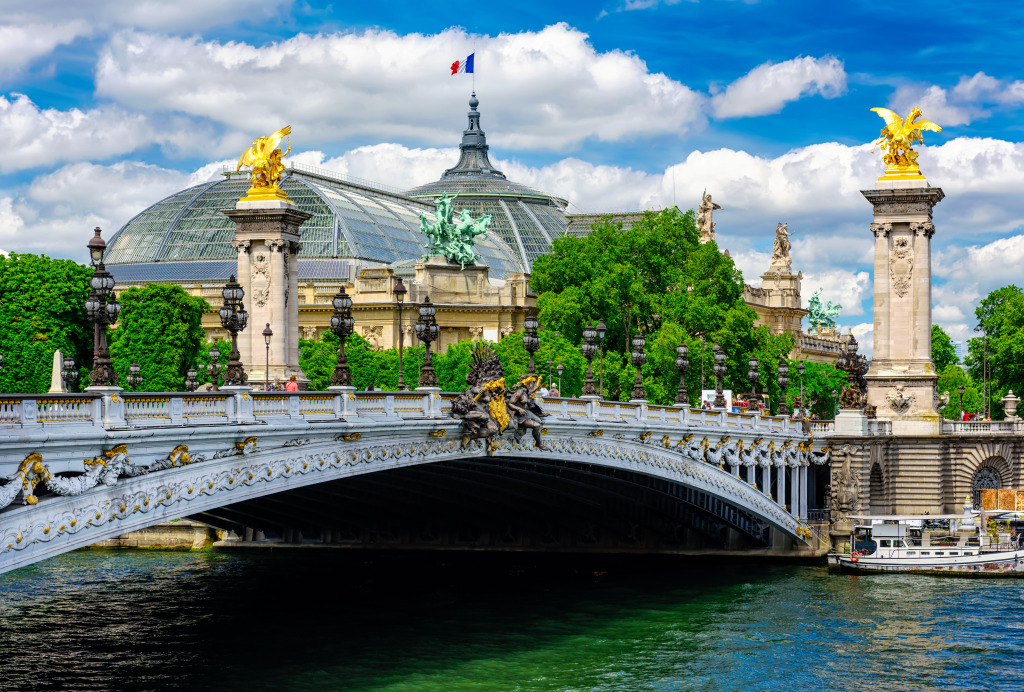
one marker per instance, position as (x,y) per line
(898,136)
(265,158)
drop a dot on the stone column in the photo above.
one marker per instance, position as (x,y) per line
(269,275)
(804,500)
(797,491)
(766,480)
(782,486)
(901,379)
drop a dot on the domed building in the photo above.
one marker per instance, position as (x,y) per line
(527,219)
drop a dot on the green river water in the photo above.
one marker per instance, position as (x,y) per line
(339,620)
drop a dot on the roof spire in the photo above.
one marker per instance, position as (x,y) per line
(473,159)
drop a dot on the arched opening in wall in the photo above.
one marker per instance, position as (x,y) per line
(876,491)
(985,478)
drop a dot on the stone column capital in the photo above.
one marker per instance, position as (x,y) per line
(881,228)
(925,228)
(276,244)
(241,245)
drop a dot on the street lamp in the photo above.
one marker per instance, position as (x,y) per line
(682,365)
(234,317)
(719,370)
(639,358)
(960,388)
(531,342)
(800,369)
(268,334)
(427,331)
(102,308)
(601,330)
(589,349)
(191,381)
(342,324)
(753,375)
(400,290)
(68,374)
(549,374)
(835,393)
(560,368)
(783,380)
(134,376)
(213,367)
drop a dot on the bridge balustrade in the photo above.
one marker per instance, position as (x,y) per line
(982,427)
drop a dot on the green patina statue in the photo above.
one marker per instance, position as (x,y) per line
(822,317)
(453,239)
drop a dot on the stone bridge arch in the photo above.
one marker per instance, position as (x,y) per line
(983,464)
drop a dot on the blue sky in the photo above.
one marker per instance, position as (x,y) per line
(111,105)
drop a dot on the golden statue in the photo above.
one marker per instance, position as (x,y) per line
(265,158)
(898,136)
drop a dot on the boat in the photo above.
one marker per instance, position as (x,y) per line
(949,544)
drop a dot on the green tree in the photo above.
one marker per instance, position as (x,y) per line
(317,359)
(42,309)
(997,357)
(161,328)
(950,380)
(819,380)
(943,352)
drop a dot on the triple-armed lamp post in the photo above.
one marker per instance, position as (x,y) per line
(427,331)
(268,335)
(342,324)
(719,370)
(682,365)
(783,381)
(234,317)
(753,375)
(639,358)
(134,376)
(400,290)
(213,367)
(531,342)
(589,349)
(68,374)
(191,380)
(102,308)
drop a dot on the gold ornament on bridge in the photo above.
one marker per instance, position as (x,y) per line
(898,136)
(264,156)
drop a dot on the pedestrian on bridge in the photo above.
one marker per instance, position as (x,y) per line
(292,385)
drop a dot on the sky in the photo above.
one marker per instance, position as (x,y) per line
(106,107)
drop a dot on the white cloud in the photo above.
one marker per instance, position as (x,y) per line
(156,15)
(21,45)
(848,288)
(557,90)
(865,334)
(971,99)
(769,87)
(10,222)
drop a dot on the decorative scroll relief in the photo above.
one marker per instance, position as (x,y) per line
(901,266)
(899,401)
(156,491)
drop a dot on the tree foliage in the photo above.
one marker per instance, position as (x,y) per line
(160,327)
(950,380)
(943,352)
(1000,349)
(819,380)
(42,309)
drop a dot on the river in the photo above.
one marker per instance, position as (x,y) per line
(332,620)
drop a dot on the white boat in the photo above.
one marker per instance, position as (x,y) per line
(957,544)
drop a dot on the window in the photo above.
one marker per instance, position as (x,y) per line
(885,543)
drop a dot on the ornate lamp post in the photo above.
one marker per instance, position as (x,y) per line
(268,334)
(639,358)
(134,376)
(234,317)
(800,369)
(601,330)
(960,388)
(400,290)
(342,324)
(531,342)
(753,375)
(835,394)
(549,374)
(68,374)
(103,309)
(589,349)
(213,367)
(719,370)
(191,381)
(682,365)
(783,381)
(559,369)
(427,331)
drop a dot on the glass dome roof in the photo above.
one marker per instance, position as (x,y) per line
(185,237)
(525,218)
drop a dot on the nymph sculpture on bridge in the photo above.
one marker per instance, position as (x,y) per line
(489,408)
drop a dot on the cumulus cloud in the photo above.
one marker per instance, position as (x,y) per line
(21,45)
(769,87)
(971,99)
(157,15)
(848,288)
(557,90)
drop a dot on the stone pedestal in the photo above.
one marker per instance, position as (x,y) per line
(267,241)
(901,380)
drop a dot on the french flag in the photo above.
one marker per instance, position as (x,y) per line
(464,65)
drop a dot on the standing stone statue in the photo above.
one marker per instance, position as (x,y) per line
(705,224)
(780,253)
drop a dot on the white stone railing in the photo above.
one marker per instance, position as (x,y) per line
(982,427)
(819,427)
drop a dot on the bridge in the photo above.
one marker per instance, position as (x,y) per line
(389,468)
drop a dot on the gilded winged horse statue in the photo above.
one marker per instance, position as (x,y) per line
(898,136)
(264,156)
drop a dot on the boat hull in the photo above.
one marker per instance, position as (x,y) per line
(1002,564)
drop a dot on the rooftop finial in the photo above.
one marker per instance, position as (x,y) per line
(473,102)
